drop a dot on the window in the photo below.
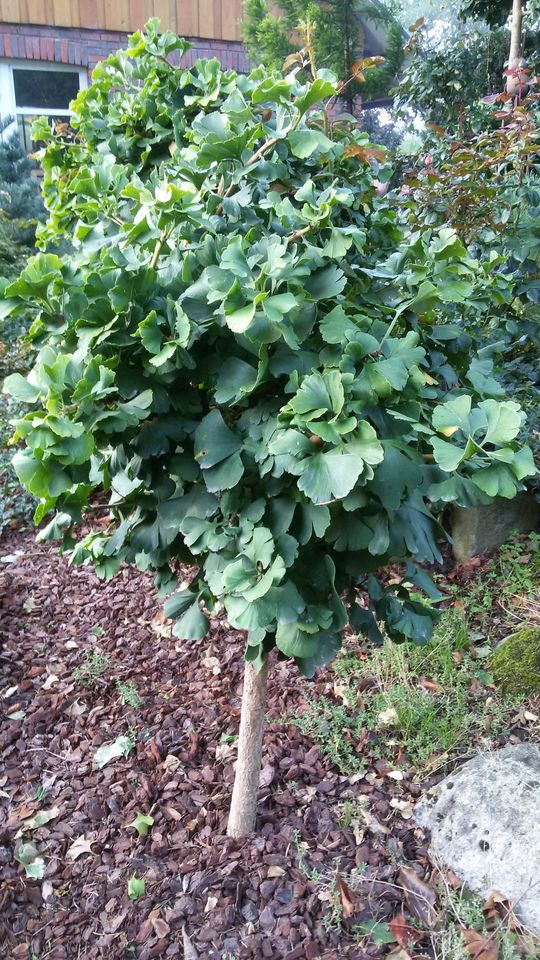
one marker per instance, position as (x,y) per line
(40,89)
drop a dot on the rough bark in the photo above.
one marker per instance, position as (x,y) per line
(248,768)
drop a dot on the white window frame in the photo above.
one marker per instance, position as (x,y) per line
(8,106)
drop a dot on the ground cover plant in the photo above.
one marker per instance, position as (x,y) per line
(430,707)
(253,362)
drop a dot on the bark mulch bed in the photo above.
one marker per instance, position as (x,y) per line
(206,895)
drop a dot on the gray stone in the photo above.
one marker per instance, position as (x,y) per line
(477,530)
(484,826)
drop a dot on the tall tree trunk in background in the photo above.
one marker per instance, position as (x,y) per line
(348,58)
(516,84)
(248,768)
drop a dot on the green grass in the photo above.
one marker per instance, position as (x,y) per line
(463,910)
(94,665)
(128,693)
(425,704)
(509,591)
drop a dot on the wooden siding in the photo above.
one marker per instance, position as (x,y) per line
(211,19)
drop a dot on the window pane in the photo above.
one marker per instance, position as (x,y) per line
(24,123)
(45,88)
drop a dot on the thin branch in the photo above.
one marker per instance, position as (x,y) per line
(298,234)
(164,235)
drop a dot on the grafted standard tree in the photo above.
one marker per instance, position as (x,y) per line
(253,363)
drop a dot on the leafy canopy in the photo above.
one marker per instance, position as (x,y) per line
(249,357)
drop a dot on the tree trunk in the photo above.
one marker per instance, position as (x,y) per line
(516,83)
(516,35)
(248,768)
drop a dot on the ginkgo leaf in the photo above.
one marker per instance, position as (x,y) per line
(39,819)
(121,747)
(36,869)
(136,887)
(34,865)
(142,824)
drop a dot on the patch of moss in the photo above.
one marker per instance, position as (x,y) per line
(515,664)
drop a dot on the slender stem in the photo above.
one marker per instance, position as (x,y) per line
(298,233)
(253,159)
(158,247)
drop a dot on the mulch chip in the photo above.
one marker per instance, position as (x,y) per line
(206,895)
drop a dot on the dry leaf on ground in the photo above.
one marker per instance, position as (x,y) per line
(419,895)
(479,947)
(350,901)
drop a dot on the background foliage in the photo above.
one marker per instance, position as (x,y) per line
(21,208)
(337,38)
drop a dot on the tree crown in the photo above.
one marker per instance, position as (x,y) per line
(247,355)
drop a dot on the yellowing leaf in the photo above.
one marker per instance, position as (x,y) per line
(40,818)
(121,747)
(448,431)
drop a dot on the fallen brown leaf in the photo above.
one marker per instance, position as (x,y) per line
(419,896)
(403,932)
(144,931)
(350,901)
(498,908)
(78,847)
(430,685)
(479,947)
(398,953)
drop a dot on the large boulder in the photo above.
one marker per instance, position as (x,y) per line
(477,530)
(515,663)
(484,826)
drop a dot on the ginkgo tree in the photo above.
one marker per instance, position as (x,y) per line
(267,379)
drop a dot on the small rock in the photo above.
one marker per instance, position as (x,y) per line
(477,530)
(484,826)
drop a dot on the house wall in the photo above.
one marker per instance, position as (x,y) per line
(84,48)
(212,19)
